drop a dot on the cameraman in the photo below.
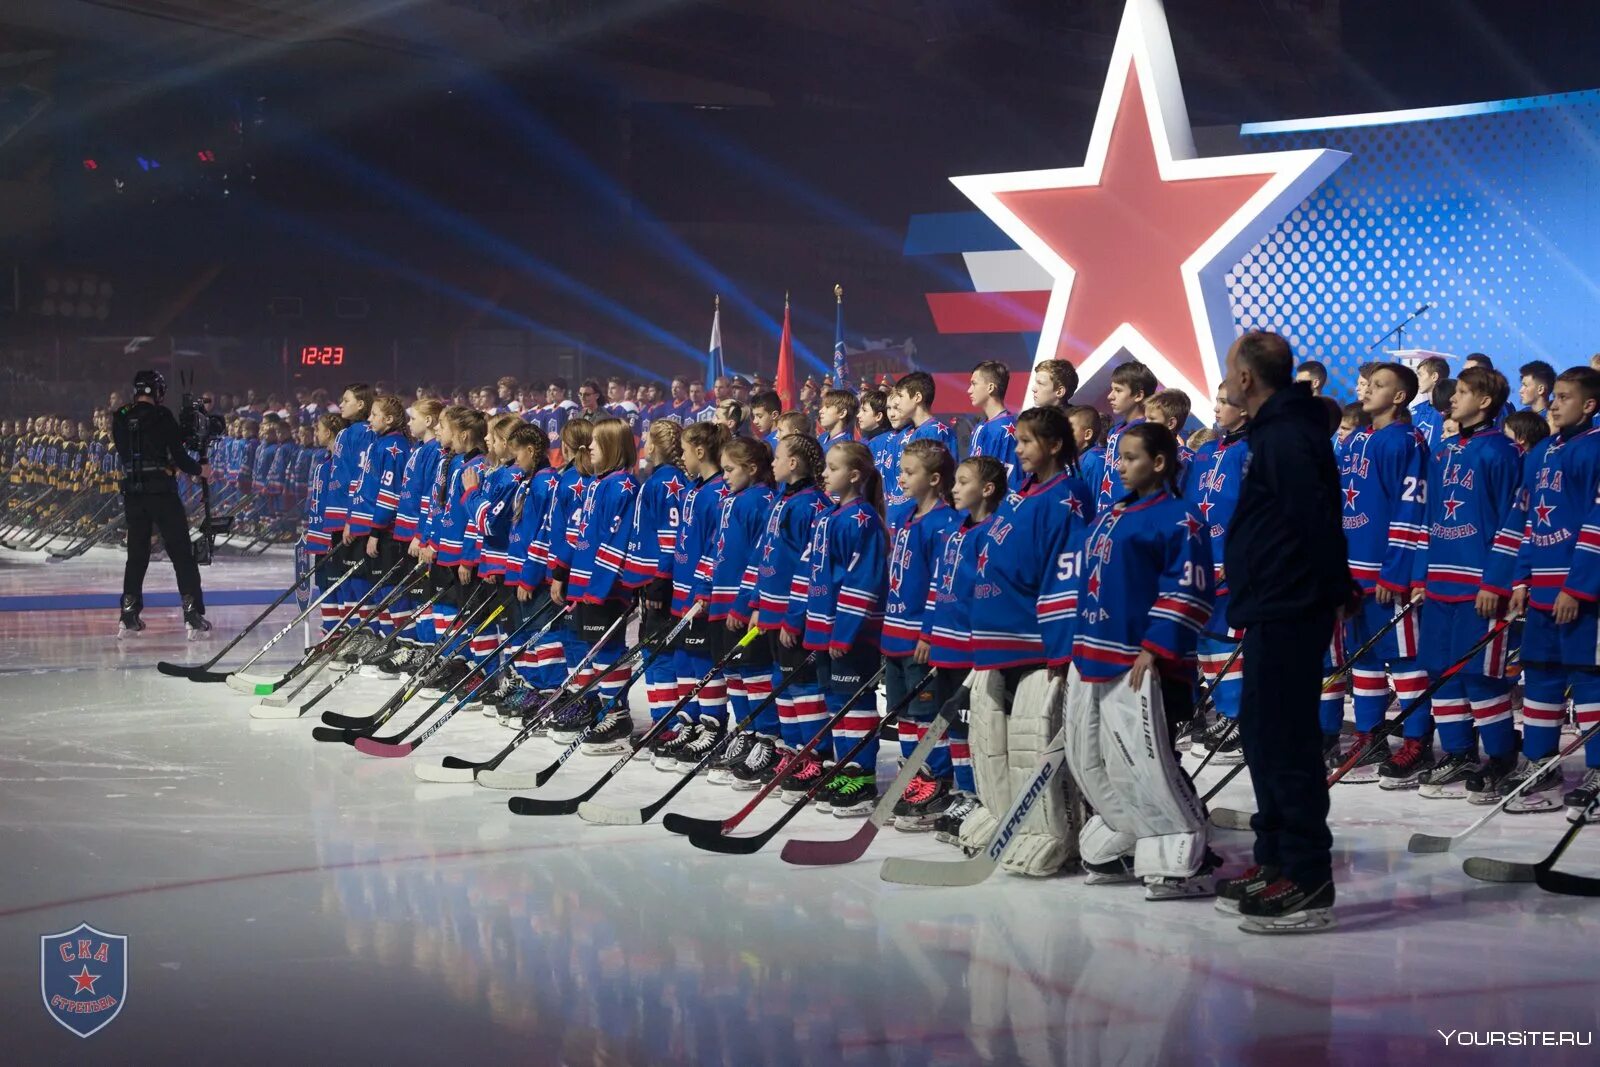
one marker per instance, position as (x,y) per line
(149,445)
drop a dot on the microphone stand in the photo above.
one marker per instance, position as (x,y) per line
(1400,330)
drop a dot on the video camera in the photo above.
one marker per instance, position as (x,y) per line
(199,426)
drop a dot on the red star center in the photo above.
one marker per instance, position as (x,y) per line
(1010,429)
(393,450)
(983,560)
(1105,482)
(1450,506)
(674,486)
(1094,583)
(1545,511)
(1073,504)
(84,979)
(861,518)
(1205,507)
(723,490)
(552,482)
(1350,494)
(1192,524)
(766,551)
(895,581)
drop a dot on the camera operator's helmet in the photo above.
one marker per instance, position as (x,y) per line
(149,383)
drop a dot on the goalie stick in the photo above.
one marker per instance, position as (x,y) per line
(536,806)
(1231,819)
(744,846)
(683,824)
(600,813)
(177,670)
(330,652)
(396,745)
(1543,872)
(975,869)
(392,706)
(455,769)
(852,848)
(242,681)
(1429,843)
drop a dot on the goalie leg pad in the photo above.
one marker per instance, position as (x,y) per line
(1099,843)
(1165,813)
(988,738)
(1047,837)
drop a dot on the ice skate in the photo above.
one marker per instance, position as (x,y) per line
(129,623)
(195,624)
(1447,779)
(1286,908)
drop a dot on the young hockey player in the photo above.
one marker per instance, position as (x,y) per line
(461,439)
(485,555)
(576,436)
(1213,480)
(726,556)
(589,572)
(765,407)
(702,508)
(1143,596)
(1054,382)
(349,449)
(997,435)
(844,619)
(416,484)
(1557,584)
(1171,408)
(373,500)
(1527,429)
(317,540)
(1015,619)
(946,640)
(837,417)
(769,592)
(538,667)
(647,569)
(927,474)
(1088,435)
(1385,482)
(1472,490)
(1132,383)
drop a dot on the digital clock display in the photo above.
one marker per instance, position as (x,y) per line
(322,356)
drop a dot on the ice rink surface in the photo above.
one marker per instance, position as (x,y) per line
(290,901)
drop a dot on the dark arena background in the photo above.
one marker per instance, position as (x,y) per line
(593,665)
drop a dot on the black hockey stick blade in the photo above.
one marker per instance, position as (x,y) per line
(535,806)
(683,824)
(460,764)
(348,722)
(1485,869)
(1568,885)
(194,674)
(324,733)
(738,846)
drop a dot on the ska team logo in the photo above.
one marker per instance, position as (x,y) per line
(83,977)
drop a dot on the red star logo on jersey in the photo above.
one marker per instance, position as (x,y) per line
(820,504)
(723,490)
(673,486)
(895,581)
(766,551)
(1192,524)
(1073,504)
(1450,506)
(1010,429)
(551,483)
(85,980)
(861,518)
(628,484)
(983,560)
(578,487)
(393,450)
(1350,494)
(1205,507)
(1105,483)
(1094,582)
(1136,242)
(1544,511)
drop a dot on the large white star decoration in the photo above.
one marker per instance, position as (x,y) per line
(1138,239)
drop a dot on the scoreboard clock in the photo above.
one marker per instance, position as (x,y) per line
(320,356)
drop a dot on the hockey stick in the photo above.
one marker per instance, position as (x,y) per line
(600,813)
(975,869)
(1428,843)
(322,654)
(683,824)
(472,612)
(535,806)
(241,680)
(1491,870)
(267,709)
(1230,819)
(482,617)
(744,846)
(852,848)
(456,769)
(396,745)
(178,671)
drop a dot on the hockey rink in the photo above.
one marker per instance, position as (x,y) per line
(287,900)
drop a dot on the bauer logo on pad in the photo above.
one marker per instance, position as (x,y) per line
(83,977)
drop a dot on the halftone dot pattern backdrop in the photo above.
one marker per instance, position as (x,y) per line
(1493,217)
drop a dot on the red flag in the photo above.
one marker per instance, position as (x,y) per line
(783,381)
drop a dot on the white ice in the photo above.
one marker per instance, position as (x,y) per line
(287,900)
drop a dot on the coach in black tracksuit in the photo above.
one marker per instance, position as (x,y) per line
(1288,575)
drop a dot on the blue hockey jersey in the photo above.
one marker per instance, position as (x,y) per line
(783,571)
(1472,491)
(947,618)
(348,449)
(376,492)
(997,437)
(886,448)
(1035,533)
(1385,481)
(849,579)
(1560,549)
(421,471)
(488,543)
(595,558)
(1144,584)
(913,554)
(447,528)
(732,552)
(653,531)
(317,539)
(1111,488)
(530,506)
(691,568)
(1218,476)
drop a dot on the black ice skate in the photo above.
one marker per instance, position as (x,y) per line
(732,758)
(1404,769)
(194,618)
(610,735)
(129,622)
(1376,754)
(1485,786)
(947,827)
(702,738)
(1202,883)
(1287,908)
(1586,792)
(1447,779)
(926,799)
(851,791)
(1232,890)
(1543,795)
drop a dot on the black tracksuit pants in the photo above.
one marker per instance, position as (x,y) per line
(163,512)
